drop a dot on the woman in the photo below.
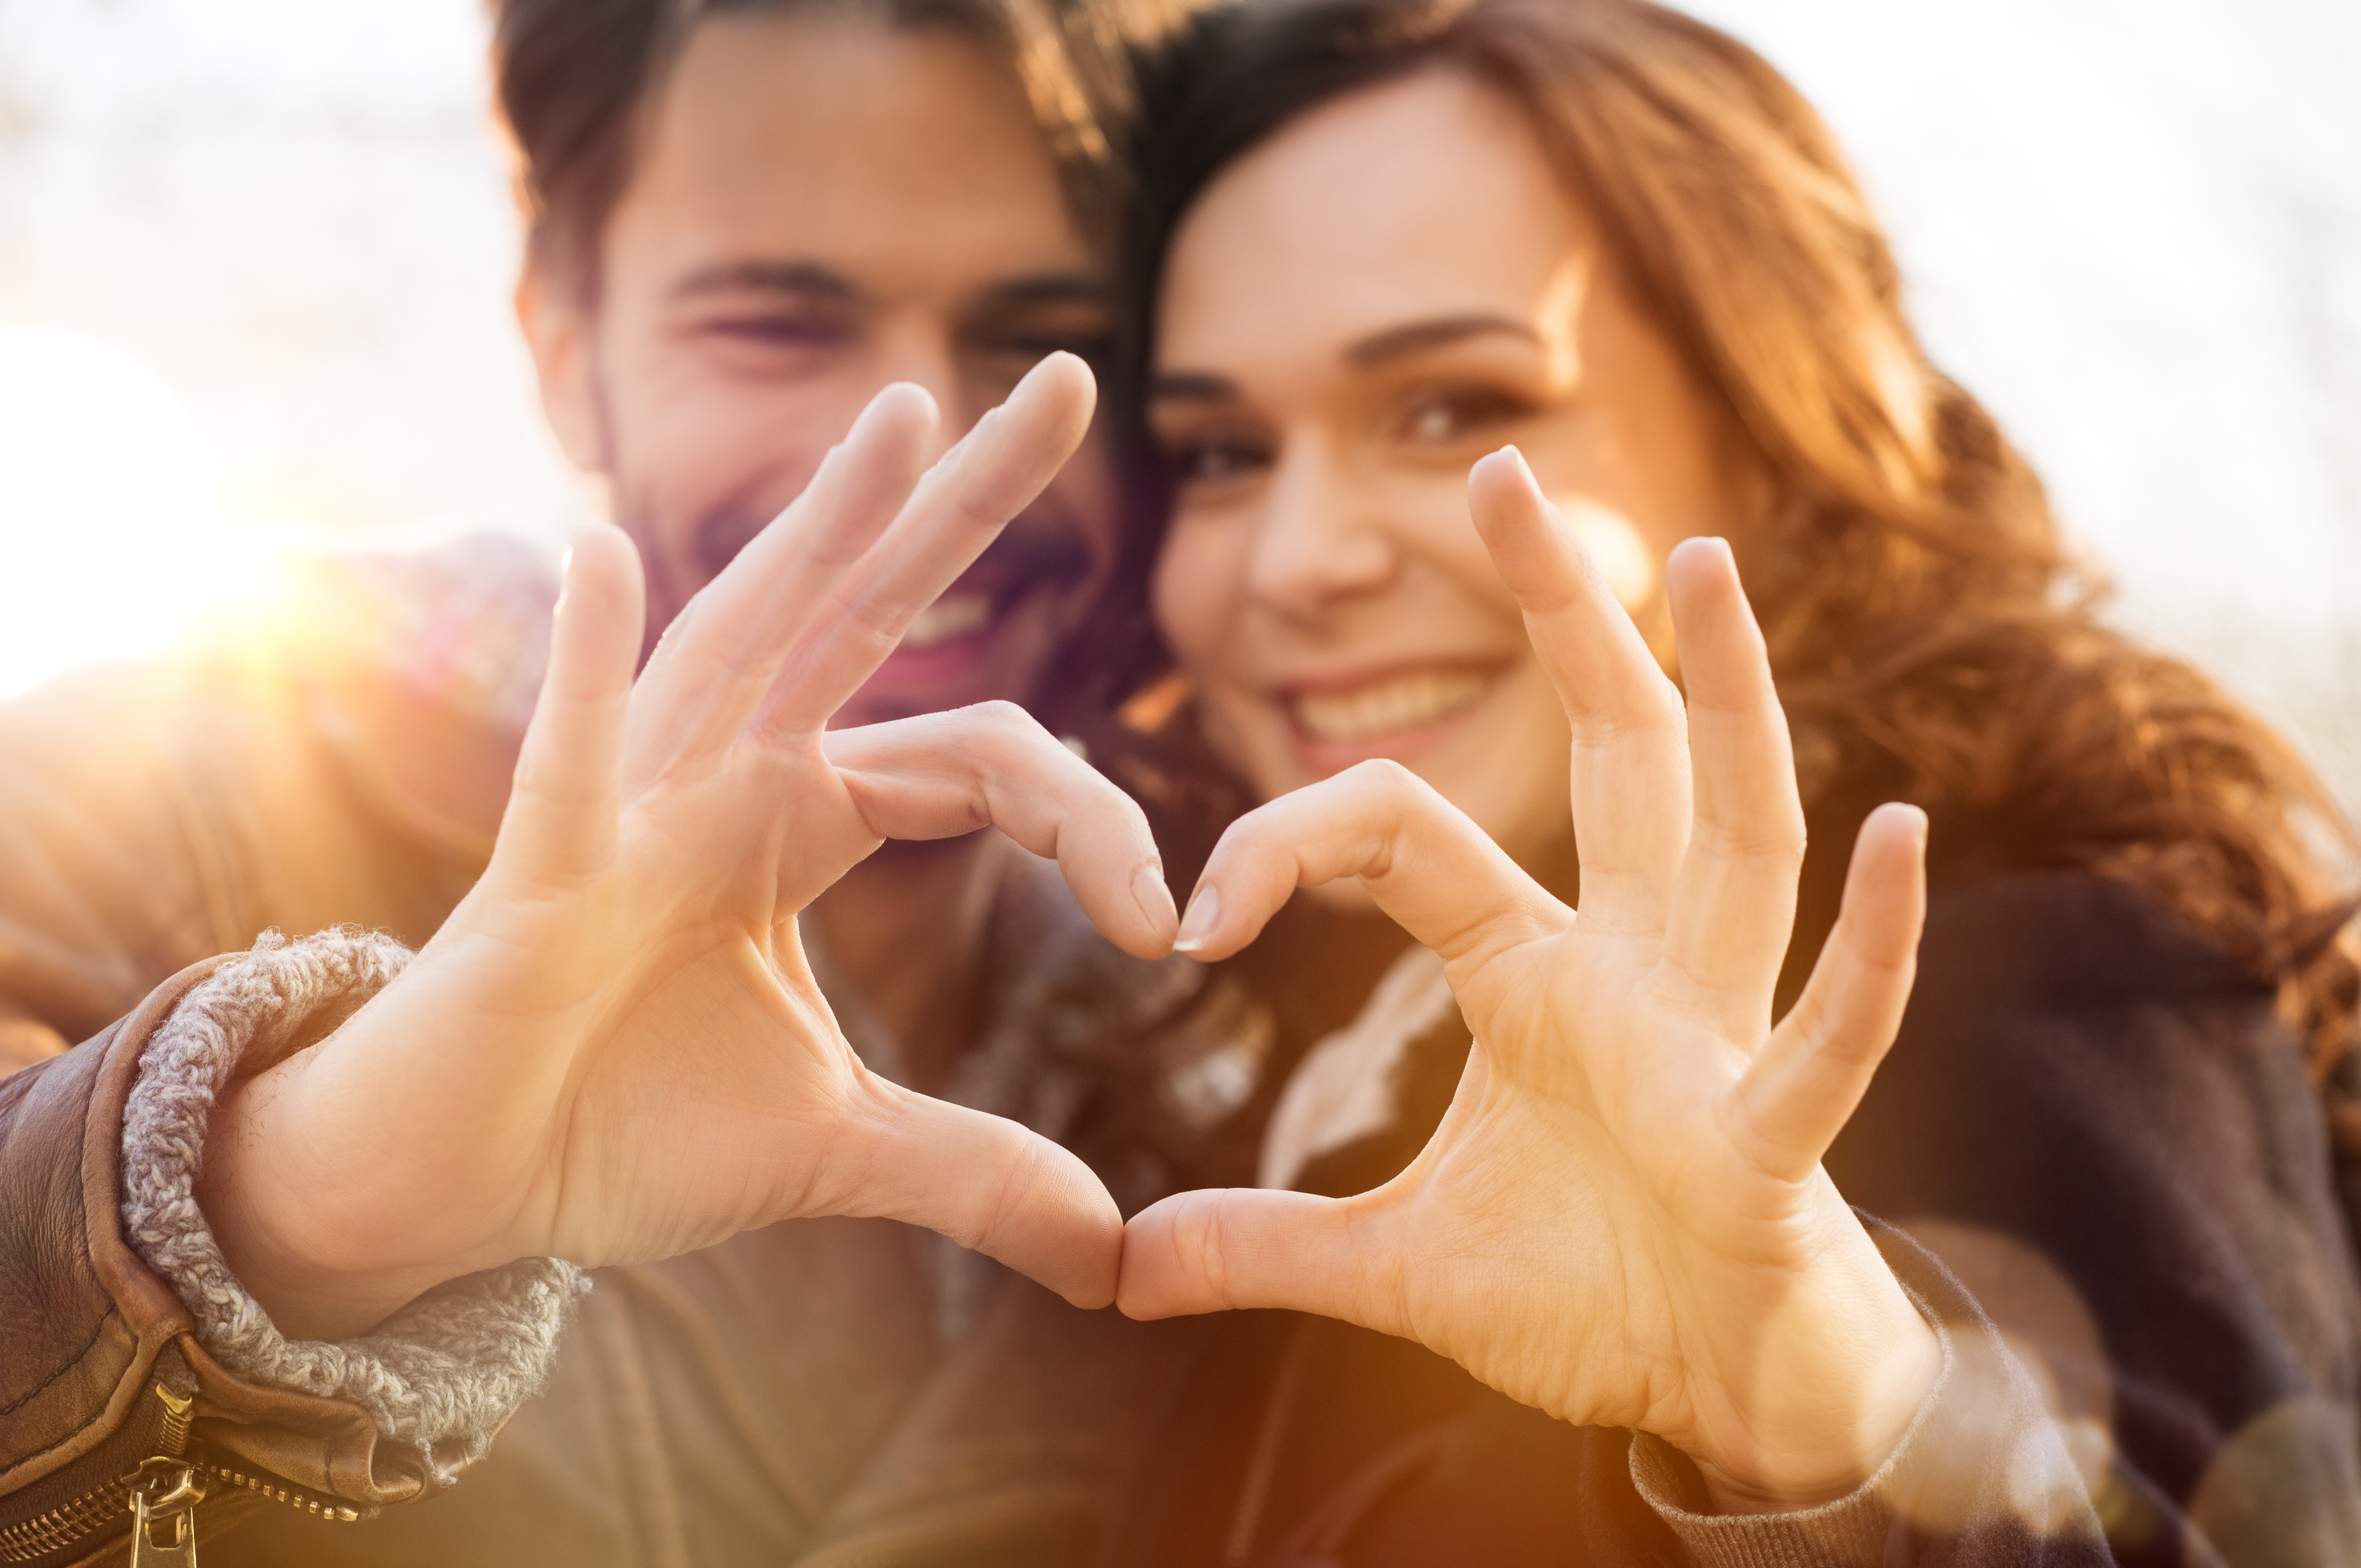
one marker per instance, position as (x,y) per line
(1384,238)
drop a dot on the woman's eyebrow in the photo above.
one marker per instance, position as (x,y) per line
(1418,336)
(1192,387)
(1377,348)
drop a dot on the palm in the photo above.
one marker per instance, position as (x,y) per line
(1608,1156)
(1621,1218)
(613,1050)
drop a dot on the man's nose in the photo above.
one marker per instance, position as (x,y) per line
(928,359)
(1323,536)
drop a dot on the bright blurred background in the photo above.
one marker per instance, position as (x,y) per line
(254,257)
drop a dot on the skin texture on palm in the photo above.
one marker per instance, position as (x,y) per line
(614,1051)
(1622,1219)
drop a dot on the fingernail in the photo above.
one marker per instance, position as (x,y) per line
(1155,899)
(1204,914)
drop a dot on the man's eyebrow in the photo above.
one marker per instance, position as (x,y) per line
(810,279)
(1192,387)
(1394,342)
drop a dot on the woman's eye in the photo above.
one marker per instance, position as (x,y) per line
(1214,459)
(1444,417)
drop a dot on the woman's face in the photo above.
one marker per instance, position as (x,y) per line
(1392,286)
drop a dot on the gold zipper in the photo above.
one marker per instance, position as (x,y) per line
(162,1496)
(165,1492)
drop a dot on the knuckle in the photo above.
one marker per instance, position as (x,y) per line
(1019,1158)
(1386,779)
(996,736)
(1004,724)
(1778,842)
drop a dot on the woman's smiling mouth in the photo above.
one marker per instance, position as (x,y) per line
(955,615)
(1391,705)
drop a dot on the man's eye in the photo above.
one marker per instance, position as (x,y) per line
(1214,459)
(1031,348)
(780,330)
(1440,418)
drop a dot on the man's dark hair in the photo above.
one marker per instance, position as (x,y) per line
(573,76)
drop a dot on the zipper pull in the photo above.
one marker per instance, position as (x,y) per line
(164,1498)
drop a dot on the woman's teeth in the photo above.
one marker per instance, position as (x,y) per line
(954,615)
(1386,708)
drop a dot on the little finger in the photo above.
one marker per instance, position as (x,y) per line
(1801,1088)
(958,507)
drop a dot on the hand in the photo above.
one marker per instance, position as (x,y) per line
(613,1050)
(1622,1219)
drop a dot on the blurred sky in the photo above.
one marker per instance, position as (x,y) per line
(2131,226)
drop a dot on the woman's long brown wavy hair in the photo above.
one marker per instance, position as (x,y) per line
(1933,641)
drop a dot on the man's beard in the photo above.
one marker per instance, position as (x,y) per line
(1044,551)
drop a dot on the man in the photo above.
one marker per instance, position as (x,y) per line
(746,219)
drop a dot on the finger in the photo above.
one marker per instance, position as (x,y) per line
(1242,1247)
(1734,903)
(1630,765)
(985,1182)
(942,775)
(958,507)
(722,654)
(1802,1087)
(1440,876)
(560,821)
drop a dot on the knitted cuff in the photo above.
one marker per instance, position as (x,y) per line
(443,1374)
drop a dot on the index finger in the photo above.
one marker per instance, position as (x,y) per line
(959,507)
(1439,875)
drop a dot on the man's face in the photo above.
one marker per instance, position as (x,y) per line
(820,206)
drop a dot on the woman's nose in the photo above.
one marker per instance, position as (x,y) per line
(1321,538)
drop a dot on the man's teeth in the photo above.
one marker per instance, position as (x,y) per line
(954,615)
(1386,708)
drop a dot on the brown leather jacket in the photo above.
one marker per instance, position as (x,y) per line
(784,1397)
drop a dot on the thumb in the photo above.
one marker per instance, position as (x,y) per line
(1245,1246)
(990,1185)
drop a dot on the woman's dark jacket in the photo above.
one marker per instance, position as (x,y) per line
(2093,1117)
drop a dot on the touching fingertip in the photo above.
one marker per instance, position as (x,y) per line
(1197,927)
(1153,898)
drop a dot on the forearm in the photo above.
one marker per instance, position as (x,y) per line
(126,1327)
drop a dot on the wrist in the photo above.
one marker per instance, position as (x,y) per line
(316,1280)
(1828,1447)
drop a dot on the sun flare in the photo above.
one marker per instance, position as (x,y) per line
(111,533)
